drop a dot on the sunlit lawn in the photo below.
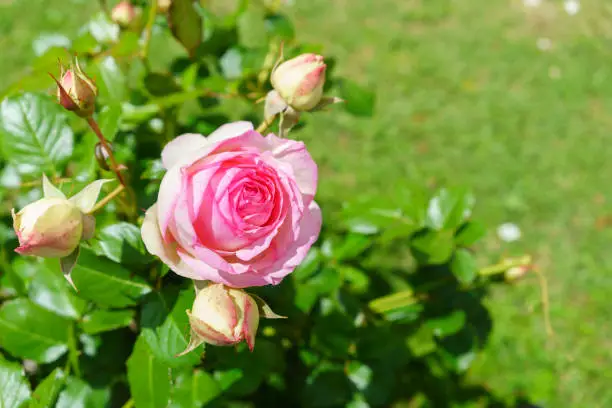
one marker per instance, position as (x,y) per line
(511,100)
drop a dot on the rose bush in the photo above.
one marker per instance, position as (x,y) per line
(385,309)
(234,207)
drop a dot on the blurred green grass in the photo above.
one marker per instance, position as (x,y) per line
(466,97)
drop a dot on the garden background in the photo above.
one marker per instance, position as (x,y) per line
(509,98)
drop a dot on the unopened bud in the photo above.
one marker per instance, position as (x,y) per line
(299,81)
(76,91)
(124,14)
(49,227)
(223,316)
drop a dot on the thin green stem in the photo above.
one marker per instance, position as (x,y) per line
(108,198)
(266,124)
(146,45)
(73,351)
(129,403)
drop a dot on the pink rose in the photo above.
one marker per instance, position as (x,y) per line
(234,207)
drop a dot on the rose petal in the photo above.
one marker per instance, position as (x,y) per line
(180,147)
(151,235)
(296,155)
(228,131)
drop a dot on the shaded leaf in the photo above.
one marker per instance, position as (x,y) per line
(186,24)
(469,233)
(29,331)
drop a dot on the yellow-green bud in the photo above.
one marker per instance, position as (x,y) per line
(49,227)
(223,316)
(299,81)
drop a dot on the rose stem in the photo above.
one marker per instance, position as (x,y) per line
(108,197)
(266,124)
(96,129)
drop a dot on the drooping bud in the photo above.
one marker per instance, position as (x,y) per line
(49,227)
(222,316)
(517,272)
(124,14)
(300,81)
(53,226)
(76,91)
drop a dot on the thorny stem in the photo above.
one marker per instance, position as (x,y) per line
(266,124)
(96,129)
(108,198)
(148,30)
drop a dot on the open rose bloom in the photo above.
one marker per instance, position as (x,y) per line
(235,207)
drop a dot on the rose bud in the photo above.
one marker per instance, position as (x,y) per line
(300,81)
(49,227)
(53,226)
(124,14)
(223,316)
(76,91)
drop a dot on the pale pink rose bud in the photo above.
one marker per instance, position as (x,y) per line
(124,14)
(223,316)
(300,81)
(76,91)
(517,272)
(49,227)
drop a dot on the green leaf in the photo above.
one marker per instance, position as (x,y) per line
(469,233)
(29,331)
(34,134)
(309,265)
(279,26)
(46,393)
(447,325)
(109,119)
(194,390)
(148,378)
(464,266)
(121,242)
(106,320)
(107,283)
(50,290)
(79,394)
(359,374)
(431,247)
(351,247)
(358,280)
(111,80)
(165,326)
(251,26)
(14,387)
(359,100)
(449,208)
(186,24)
